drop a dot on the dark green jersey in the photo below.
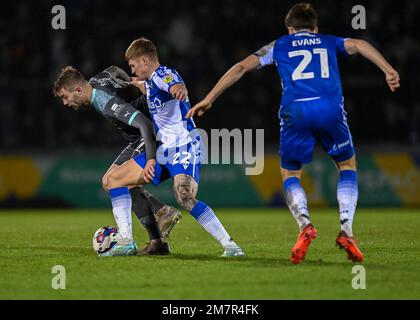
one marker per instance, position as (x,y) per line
(124,105)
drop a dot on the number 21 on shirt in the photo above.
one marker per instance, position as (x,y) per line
(300,74)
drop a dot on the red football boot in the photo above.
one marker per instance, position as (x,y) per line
(304,240)
(349,244)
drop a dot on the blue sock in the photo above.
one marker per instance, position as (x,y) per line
(121,207)
(347,194)
(208,220)
(296,201)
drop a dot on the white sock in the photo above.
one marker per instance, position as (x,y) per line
(347,194)
(208,220)
(296,201)
(121,208)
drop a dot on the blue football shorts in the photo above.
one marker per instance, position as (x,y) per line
(171,162)
(303,123)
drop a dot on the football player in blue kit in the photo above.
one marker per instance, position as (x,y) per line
(311,110)
(178,154)
(112,95)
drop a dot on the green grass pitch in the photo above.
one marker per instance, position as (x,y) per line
(35,241)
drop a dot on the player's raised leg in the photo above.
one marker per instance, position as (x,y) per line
(185,193)
(166,216)
(144,206)
(116,183)
(297,203)
(347,195)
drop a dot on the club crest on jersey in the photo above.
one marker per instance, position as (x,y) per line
(168,79)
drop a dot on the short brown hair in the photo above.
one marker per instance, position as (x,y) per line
(140,47)
(302,16)
(68,78)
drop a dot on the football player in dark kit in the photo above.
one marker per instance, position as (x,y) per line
(113,96)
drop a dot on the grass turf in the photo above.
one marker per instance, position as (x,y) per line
(35,241)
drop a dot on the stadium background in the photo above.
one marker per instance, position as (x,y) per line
(54,157)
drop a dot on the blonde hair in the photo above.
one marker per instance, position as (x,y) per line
(141,47)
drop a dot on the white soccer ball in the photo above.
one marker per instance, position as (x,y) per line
(105,238)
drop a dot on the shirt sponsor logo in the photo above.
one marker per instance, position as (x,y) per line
(154,104)
(117,108)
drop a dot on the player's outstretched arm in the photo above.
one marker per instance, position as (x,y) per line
(145,126)
(232,76)
(354,46)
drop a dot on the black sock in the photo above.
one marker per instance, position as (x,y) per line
(144,212)
(155,203)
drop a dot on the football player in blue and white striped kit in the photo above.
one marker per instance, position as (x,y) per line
(311,111)
(178,154)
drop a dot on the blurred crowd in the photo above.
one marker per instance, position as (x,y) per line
(200,39)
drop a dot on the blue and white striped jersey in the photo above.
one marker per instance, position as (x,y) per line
(168,114)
